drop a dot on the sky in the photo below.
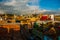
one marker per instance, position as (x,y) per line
(25,6)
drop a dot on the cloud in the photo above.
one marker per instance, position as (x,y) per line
(59,8)
(44,10)
(34,2)
(33,7)
(16,2)
(21,6)
(15,6)
(1,12)
(10,3)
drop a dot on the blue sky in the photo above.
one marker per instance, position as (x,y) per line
(48,4)
(21,5)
